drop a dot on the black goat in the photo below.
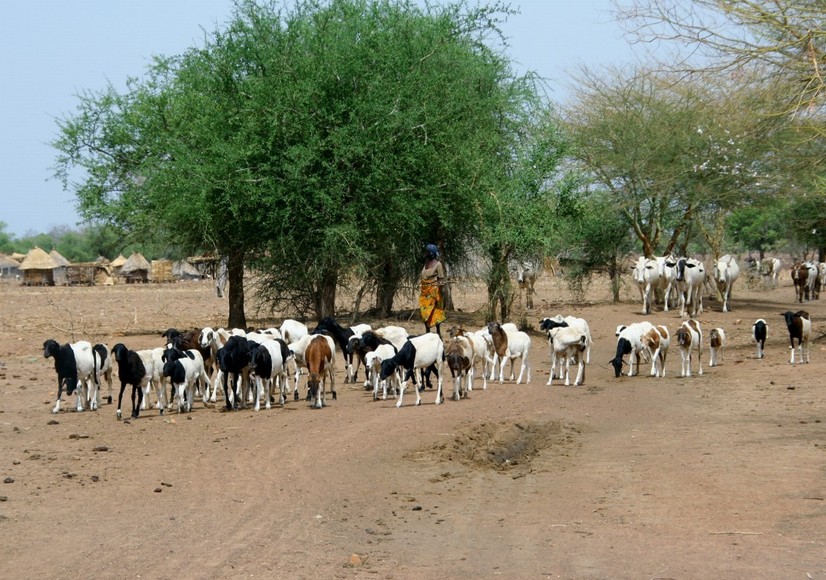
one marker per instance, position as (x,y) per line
(131,371)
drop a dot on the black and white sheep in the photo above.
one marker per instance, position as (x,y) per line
(800,328)
(75,365)
(233,361)
(759,333)
(184,369)
(419,352)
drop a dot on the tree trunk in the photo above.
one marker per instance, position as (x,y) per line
(325,297)
(615,273)
(386,287)
(235,276)
(499,286)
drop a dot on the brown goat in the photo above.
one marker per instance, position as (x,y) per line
(800,277)
(320,358)
(459,357)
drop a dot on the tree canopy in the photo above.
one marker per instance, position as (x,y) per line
(315,142)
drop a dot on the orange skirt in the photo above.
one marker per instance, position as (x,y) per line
(431,305)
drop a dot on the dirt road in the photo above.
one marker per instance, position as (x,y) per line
(715,476)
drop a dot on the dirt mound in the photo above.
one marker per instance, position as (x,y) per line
(507,445)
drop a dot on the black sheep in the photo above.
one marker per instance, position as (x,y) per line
(131,371)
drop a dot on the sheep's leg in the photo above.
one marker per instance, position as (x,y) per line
(190,396)
(401,394)
(257,398)
(437,369)
(56,408)
(700,359)
(81,396)
(580,375)
(525,366)
(120,400)
(147,387)
(136,409)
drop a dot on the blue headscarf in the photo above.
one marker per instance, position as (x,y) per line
(432,251)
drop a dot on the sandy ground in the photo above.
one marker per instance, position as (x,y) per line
(715,476)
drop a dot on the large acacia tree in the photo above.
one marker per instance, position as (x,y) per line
(327,139)
(674,154)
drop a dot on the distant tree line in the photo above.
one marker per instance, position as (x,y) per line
(81,244)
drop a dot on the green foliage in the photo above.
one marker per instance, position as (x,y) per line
(315,142)
(674,154)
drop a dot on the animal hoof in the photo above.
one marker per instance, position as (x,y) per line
(109,400)
(334,396)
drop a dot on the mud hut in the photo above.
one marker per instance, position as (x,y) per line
(38,268)
(9,268)
(61,277)
(135,269)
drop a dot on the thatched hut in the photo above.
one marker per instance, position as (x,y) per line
(9,268)
(183,270)
(135,269)
(117,264)
(38,268)
(61,271)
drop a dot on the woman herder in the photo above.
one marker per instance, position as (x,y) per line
(431,302)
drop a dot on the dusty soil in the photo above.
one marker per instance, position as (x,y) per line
(715,476)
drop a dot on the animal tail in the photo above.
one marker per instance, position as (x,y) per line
(95,357)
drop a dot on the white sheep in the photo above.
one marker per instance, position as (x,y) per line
(372,361)
(567,344)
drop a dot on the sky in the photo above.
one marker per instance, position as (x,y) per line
(53,50)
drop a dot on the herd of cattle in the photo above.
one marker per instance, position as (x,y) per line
(249,367)
(682,279)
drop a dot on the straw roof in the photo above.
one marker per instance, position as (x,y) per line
(58,259)
(183,269)
(134,263)
(37,259)
(17,256)
(118,262)
(8,262)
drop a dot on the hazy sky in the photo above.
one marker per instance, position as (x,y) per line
(51,50)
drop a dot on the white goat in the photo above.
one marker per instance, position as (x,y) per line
(567,344)
(372,361)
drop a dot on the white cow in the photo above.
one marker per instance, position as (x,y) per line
(726,272)
(770,268)
(646,275)
(690,277)
(667,266)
